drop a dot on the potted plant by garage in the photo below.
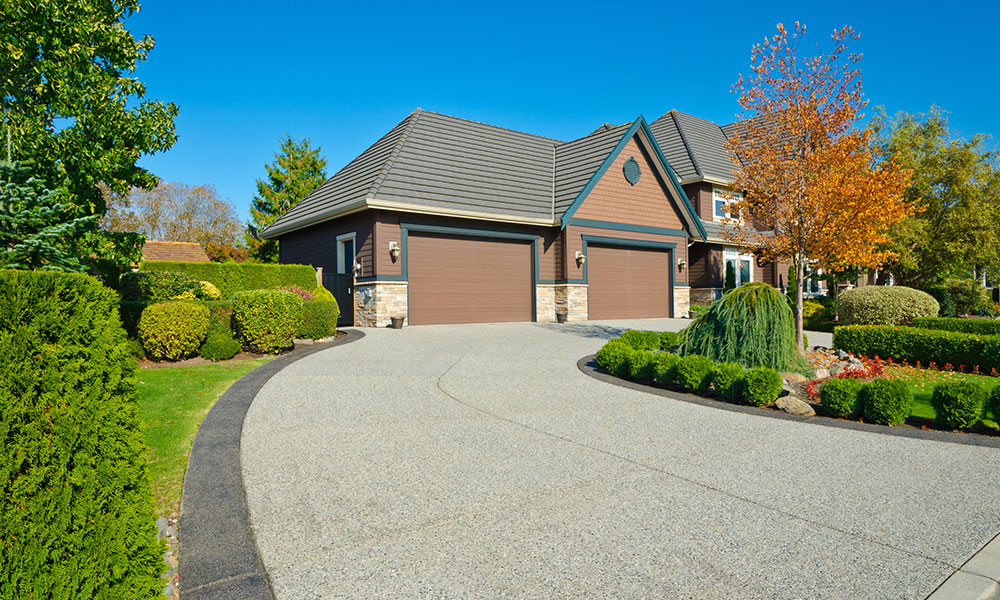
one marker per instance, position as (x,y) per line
(397,322)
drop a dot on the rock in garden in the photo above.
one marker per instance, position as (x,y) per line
(842,355)
(834,369)
(822,374)
(794,406)
(793,377)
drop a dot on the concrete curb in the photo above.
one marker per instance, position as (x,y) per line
(218,553)
(977,579)
(588,365)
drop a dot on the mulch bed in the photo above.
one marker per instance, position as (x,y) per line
(198,360)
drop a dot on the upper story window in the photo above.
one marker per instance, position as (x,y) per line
(721,198)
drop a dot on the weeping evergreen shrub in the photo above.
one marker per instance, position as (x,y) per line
(752,326)
(76,511)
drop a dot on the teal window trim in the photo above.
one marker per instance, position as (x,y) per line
(628,227)
(670,247)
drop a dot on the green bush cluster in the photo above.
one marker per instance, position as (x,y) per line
(839,397)
(267,320)
(694,372)
(993,403)
(613,355)
(231,278)
(968,296)
(642,365)
(219,345)
(173,330)
(76,510)
(946,308)
(727,379)
(642,340)
(958,403)
(814,315)
(761,386)
(319,319)
(156,287)
(666,368)
(885,305)
(915,344)
(980,326)
(670,339)
(886,401)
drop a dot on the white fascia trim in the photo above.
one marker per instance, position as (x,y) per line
(708,179)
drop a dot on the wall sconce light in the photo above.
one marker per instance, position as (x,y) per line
(681,264)
(580,258)
(394,251)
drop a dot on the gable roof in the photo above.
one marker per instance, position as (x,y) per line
(174,251)
(439,164)
(695,147)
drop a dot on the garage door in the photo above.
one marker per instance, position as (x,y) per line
(455,279)
(628,283)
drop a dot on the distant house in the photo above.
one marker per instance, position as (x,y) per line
(174,251)
(445,220)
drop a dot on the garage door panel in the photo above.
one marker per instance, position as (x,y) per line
(456,279)
(628,283)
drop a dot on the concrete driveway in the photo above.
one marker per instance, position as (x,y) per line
(477,461)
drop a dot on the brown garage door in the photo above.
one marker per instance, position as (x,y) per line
(628,283)
(457,279)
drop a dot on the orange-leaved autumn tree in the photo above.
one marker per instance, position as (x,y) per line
(815,189)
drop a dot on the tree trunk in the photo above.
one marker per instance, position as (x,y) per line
(799,295)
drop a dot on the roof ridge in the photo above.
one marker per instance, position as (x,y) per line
(687,146)
(387,165)
(600,130)
(541,137)
(169,242)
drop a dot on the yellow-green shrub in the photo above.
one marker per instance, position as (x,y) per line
(173,330)
(267,320)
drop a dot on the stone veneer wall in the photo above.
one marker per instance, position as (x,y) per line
(376,302)
(704,296)
(682,301)
(572,297)
(545,303)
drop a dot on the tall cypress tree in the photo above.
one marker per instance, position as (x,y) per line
(297,170)
(730,282)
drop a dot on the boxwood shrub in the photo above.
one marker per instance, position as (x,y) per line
(958,404)
(319,319)
(219,345)
(76,511)
(886,401)
(694,372)
(885,305)
(266,320)
(670,339)
(173,330)
(980,326)
(925,345)
(231,278)
(761,386)
(666,368)
(642,340)
(613,355)
(727,379)
(839,397)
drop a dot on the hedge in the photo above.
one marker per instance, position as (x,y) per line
(267,320)
(231,278)
(158,286)
(980,326)
(76,511)
(319,319)
(885,305)
(925,345)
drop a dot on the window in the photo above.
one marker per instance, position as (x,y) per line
(345,253)
(742,265)
(721,198)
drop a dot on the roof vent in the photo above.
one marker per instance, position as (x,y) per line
(632,171)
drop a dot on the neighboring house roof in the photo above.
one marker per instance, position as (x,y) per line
(174,251)
(695,147)
(438,164)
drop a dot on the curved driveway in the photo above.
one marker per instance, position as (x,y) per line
(478,462)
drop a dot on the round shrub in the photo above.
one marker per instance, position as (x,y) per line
(323,294)
(751,325)
(642,340)
(761,386)
(886,401)
(319,319)
(299,291)
(839,397)
(727,379)
(958,404)
(670,339)
(666,368)
(993,403)
(612,355)
(219,345)
(266,320)
(694,372)
(642,365)
(173,330)
(76,510)
(814,315)
(209,291)
(885,305)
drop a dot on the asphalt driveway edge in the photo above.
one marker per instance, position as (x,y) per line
(218,556)
(588,365)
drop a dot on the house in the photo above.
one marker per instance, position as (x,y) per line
(174,251)
(445,220)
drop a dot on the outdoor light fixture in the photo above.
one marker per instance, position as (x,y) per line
(394,251)
(681,264)
(580,258)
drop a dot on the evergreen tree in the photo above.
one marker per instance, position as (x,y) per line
(38,229)
(297,170)
(730,282)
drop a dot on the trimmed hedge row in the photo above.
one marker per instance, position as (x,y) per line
(915,344)
(76,510)
(980,326)
(231,278)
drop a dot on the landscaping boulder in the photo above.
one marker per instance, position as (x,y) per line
(822,374)
(794,406)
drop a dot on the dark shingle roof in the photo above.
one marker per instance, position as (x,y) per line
(694,147)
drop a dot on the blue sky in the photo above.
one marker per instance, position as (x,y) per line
(344,74)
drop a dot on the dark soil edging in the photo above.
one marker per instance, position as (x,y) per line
(588,365)
(218,553)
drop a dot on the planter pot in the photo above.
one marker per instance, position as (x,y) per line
(561,317)
(397,322)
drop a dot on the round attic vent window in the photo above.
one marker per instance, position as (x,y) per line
(632,171)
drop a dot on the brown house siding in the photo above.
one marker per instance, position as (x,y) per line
(317,245)
(700,195)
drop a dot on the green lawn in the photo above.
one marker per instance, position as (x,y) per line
(173,402)
(922,382)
